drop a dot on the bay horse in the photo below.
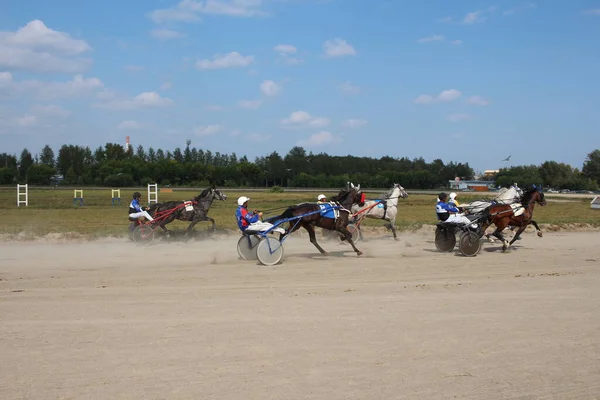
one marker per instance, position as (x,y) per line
(386,208)
(195,210)
(502,215)
(329,218)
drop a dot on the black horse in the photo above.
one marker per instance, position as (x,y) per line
(344,199)
(195,210)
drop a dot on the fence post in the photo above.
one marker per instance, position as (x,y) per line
(152,193)
(78,197)
(116,196)
(22,191)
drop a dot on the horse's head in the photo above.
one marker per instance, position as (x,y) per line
(349,196)
(534,195)
(218,195)
(402,193)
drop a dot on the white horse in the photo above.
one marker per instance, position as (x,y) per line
(511,196)
(386,208)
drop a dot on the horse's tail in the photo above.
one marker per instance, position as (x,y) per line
(288,213)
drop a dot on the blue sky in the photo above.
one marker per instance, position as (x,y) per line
(469,81)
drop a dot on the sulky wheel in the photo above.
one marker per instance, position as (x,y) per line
(355,231)
(143,235)
(130,230)
(445,240)
(469,244)
(269,251)
(246,247)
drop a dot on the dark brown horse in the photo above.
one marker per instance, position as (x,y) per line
(344,200)
(502,215)
(195,210)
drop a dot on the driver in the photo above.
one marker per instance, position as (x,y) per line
(248,220)
(448,213)
(136,210)
(321,199)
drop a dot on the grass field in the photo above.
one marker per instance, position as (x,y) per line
(52,210)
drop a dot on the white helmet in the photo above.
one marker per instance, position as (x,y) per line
(242,200)
(452,196)
(321,197)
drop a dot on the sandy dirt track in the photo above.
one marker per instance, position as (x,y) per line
(108,320)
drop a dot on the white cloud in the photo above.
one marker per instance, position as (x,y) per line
(524,7)
(284,49)
(445,19)
(166,34)
(130,125)
(338,48)
(473,17)
(37,48)
(425,99)
(456,42)
(478,101)
(51,111)
(166,85)
(229,60)
(446,95)
(190,10)
(270,88)
(134,68)
(355,123)
(77,87)
(250,104)
(142,100)
(593,11)
(214,107)
(27,121)
(302,118)
(6,80)
(349,88)
(449,95)
(434,38)
(320,139)
(458,117)
(207,130)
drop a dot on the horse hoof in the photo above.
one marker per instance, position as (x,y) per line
(540,234)
(325,253)
(360,253)
(396,239)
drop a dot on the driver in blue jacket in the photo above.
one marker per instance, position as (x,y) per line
(136,210)
(449,213)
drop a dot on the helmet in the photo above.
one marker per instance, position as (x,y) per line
(242,200)
(137,195)
(452,196)
(321,197)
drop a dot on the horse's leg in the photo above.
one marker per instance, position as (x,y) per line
(344,230)
(500,226)
(539,231)
(393,226)
(519,231)
(313,237)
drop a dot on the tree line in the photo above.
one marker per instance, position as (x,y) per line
(113,165)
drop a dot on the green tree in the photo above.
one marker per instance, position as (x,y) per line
(47,156)
(591,166)
(25,161)
(40,174)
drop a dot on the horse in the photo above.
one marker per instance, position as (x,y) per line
(386,208)
(503,215)
(195,210)
(328,217)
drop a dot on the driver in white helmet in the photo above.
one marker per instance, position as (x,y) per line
(249,220)
(321,198)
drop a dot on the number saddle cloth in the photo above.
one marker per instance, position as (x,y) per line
(329,210)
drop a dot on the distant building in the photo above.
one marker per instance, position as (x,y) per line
(490,172)
(478,186)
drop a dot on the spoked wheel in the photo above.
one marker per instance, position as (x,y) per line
(445,240)
(269,251)
(246,247)
(143,235)
(470,244)
(130,230)
(355,231)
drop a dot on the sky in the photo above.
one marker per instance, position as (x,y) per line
(464,81)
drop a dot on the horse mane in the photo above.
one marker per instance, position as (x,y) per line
(342,194)
(204,193)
